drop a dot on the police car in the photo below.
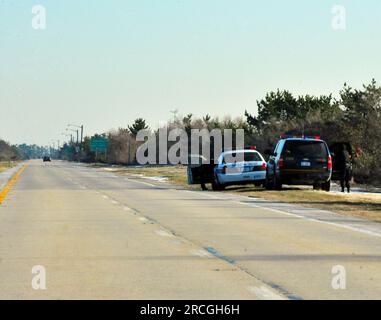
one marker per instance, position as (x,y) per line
(239,167)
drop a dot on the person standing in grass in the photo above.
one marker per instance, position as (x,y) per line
(345,167)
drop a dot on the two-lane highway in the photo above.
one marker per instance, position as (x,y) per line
(100,235)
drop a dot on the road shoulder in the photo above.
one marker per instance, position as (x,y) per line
(368,224)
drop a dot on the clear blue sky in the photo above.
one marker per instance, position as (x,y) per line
(105,63)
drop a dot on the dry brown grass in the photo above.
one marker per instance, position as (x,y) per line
(360,205)
(5,165)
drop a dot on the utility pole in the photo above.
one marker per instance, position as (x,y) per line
(52,149)
(129,149)
(76,131)
(80,127)
(58,149)
(174,112)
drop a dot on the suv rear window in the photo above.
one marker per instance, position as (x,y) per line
(305,149)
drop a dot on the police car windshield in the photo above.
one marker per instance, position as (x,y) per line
(242,156)
(305,149)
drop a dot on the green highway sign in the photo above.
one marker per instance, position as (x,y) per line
(99,144)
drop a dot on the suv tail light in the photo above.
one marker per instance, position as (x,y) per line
(281,162)
(329,162)
(224,170)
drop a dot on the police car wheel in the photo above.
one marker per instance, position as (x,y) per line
(216,186)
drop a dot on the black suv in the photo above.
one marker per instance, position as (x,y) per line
(299,161)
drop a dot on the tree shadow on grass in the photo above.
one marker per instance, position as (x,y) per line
(357,205)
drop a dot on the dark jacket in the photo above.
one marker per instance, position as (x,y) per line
(343,159)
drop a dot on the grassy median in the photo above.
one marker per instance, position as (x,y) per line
(360,205)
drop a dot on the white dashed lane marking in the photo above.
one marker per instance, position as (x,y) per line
(264,293)
(201,253)
(164,233)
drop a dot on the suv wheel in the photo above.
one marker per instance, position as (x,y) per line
(318,186)
(326,186)
(216,186)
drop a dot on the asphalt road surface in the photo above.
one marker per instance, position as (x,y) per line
(97,235)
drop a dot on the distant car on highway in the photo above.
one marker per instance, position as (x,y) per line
(239,167)
(299,161)
(46,159)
